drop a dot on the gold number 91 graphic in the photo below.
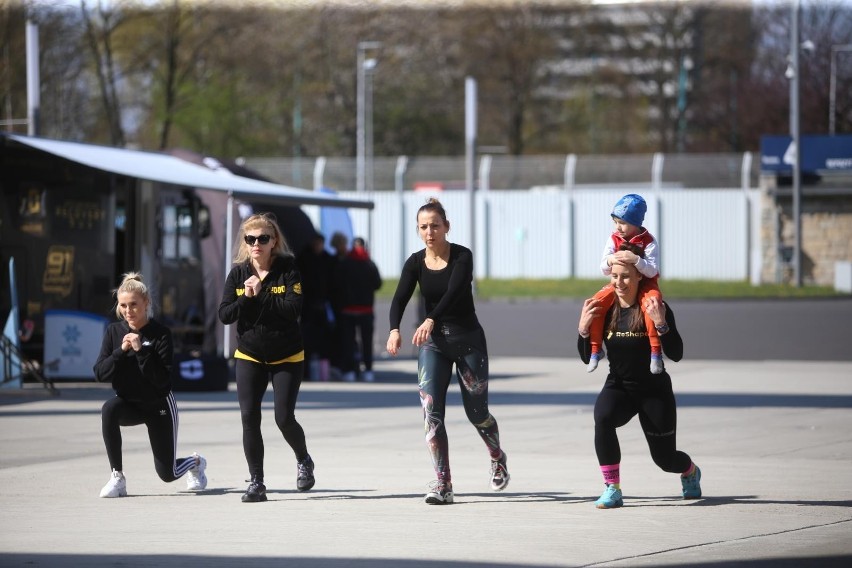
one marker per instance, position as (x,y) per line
(59,270)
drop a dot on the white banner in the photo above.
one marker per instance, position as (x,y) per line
(72,341)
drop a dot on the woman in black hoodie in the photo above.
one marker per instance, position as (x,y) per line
(263,296)
(136,357)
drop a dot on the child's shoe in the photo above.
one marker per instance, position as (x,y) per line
(593,361)
(656,364)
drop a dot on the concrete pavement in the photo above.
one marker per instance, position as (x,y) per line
(773,441)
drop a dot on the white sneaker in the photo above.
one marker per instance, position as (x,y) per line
(196,479)
(349,377)
(116,486)
(369,377)
(656,365)
(440,493)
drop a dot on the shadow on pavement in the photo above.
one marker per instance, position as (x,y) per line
(96,561)
(373,396)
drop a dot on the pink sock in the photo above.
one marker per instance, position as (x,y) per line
(611,473)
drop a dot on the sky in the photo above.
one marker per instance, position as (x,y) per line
(416,3)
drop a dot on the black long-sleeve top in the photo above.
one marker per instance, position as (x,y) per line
(447,293)
(267,324)
(630,352)
(137,375)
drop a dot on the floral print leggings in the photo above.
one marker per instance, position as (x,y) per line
(466,349)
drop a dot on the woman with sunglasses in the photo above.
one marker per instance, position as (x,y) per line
(263,296)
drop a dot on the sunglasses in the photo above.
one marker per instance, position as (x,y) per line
(262,239)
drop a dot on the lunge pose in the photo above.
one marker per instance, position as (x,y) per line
(263,296)
(628,215)
(136,357)
(630,387)
(450,335)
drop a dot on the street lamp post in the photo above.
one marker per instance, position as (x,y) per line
(793,74)
(794,134)
(835,49)
(365,70)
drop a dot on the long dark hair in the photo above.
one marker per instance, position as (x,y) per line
(636,321)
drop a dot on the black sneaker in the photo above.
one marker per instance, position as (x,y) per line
(255,493)
(440,493)
(305,474)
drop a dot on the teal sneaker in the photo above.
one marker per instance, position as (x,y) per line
(610,499)
(692,484)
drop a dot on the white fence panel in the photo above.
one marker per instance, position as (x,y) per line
(703,234)
(528,234)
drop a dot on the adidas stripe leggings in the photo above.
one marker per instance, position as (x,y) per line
(161,418)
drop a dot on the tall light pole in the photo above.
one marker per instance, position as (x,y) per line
(470,127)
(33,80)
(793,75)
(835,49)
(365,70)
(797,154)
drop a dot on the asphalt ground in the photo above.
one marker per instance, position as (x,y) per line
(771,434)
(772,439)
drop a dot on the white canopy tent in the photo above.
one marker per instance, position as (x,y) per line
(165,168)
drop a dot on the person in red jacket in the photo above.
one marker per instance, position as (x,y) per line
(263,296)
(136,357)
(628,216)
(357,278)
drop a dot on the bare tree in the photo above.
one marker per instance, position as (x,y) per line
(101,24)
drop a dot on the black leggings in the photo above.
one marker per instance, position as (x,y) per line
(161,418)
(252,381)
(361,325)
(435,369)
(617,404)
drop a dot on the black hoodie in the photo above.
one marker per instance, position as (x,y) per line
(137,376)
(267,324)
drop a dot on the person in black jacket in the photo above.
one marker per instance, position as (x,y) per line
(136,357)
(315,266)
(631,388)
(263,296)
(356,279)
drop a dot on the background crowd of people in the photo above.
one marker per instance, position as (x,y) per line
(338,316)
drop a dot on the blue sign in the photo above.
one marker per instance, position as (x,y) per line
(820,154)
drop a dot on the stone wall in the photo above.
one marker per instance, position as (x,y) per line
(826,217)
